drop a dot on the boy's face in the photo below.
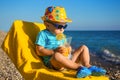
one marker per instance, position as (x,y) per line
(56,28)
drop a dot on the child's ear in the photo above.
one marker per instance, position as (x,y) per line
(46,24)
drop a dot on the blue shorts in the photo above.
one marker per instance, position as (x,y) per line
(48,64)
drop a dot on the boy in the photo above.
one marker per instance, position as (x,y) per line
(47,46)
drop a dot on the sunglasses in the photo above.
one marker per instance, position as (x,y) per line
(58,26)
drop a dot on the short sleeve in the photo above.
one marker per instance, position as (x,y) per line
(40,39)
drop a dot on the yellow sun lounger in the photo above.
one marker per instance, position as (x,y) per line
(20,47)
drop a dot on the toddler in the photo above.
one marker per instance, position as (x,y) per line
(49,49)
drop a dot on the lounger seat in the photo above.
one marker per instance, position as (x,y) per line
(19,46)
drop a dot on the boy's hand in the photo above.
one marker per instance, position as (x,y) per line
(61,50)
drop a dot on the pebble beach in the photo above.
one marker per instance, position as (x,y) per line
(9,72)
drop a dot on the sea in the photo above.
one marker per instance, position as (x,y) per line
(105,44)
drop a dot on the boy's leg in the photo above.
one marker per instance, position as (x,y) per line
(59,61)
(82,54)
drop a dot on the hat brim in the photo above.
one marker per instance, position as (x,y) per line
(65,20)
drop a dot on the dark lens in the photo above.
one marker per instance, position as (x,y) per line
(60,27)
(65,26)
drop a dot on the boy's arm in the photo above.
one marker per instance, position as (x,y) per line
(41,51)
(63,50)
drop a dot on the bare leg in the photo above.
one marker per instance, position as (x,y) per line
(82,54)
(59,61)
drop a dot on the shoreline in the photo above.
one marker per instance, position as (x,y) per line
(9,72)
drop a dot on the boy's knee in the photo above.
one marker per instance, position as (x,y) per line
(57,56)
(84,47)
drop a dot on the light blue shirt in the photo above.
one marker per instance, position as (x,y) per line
(48,40)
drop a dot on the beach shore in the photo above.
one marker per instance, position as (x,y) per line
(9,72)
